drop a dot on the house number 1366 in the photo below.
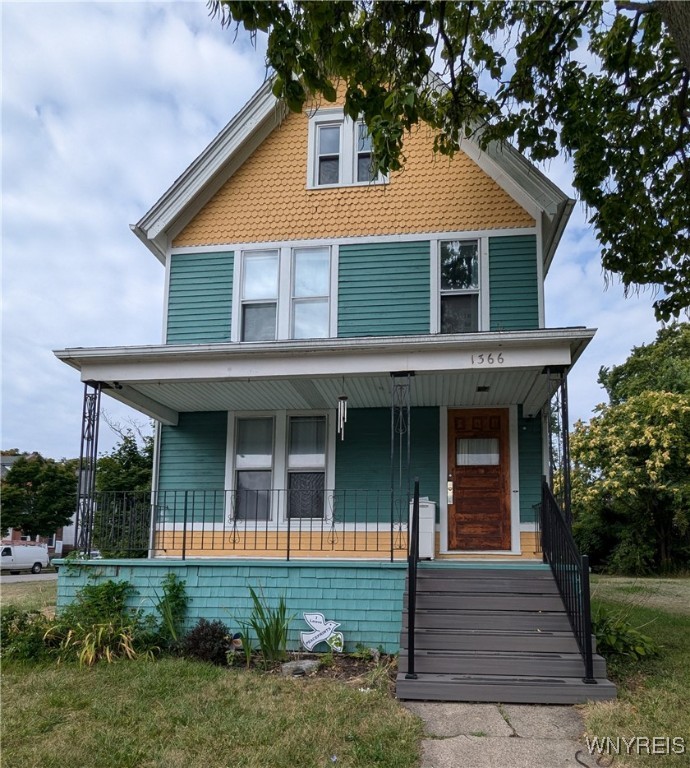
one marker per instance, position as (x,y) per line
(487,358)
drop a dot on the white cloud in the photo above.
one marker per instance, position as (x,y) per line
(104,105)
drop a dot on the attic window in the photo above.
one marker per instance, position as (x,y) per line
(340,152)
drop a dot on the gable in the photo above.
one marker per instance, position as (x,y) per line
(267,198)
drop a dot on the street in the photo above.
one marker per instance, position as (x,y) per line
(7,578)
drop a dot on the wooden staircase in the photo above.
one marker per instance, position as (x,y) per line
(495,634)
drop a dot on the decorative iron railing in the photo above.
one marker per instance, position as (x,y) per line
(263,523)
(571,572)
(412,561)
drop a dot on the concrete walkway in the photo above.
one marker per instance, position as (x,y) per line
(500,735)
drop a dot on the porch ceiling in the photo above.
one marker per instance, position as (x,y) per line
(452,371)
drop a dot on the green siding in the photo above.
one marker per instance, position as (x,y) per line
(366,598)
(363,459)
(200,298)
(192,458)
(531,465)
(513,283)
(383,289)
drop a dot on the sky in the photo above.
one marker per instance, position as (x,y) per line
(103,106)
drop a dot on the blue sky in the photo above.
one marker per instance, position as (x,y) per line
(103,106)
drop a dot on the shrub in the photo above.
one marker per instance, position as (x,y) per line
(207,641)
(271,628)
(22,634)
(172,608)
(99,625)
(618,639)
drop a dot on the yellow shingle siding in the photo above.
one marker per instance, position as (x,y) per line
(267,198)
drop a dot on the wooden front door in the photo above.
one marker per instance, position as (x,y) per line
(479,471)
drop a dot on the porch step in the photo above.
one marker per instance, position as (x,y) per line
(509,663)
(495,635)
(508,689)
(473,639)
(538,621)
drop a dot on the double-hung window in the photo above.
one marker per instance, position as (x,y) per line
(253,469)
(260,295)
(311,278)
(340,152)
(306,466)
(328,154)
(280,467)
(459,285)
(285,293)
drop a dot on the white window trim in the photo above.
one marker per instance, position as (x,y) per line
(285,289)
(484,316)
(348,152)
(279,478)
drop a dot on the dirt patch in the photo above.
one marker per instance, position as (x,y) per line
(670,595)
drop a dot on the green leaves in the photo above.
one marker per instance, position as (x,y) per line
(607,88)
(38,495)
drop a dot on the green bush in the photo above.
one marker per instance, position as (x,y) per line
(22,634)
(207,641)
(99,625)
(617,639)
(271,628)
(172,608)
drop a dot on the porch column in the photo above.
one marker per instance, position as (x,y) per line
(565,434)
(88,456)
(400,452)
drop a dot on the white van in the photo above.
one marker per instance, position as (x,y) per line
(24,557)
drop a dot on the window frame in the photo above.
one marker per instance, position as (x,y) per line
(481,291)
(285,299)
(280,461)
(349,132)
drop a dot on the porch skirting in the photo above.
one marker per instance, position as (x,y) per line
(366,598)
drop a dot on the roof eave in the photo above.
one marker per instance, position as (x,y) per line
(153,227)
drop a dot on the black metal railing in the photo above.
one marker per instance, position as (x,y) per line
(412,561)
(268,523)
(571,572)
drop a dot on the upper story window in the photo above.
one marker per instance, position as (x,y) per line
(459,285)
(285,293)
(340,152)
(311,269)
(260,295)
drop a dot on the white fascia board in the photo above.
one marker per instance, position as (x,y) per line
(262,111)
(324,358)
(528,186)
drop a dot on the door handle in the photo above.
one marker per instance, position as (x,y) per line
(450,490)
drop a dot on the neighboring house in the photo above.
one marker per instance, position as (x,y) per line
(329,336)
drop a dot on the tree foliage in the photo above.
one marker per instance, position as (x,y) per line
(631,463)
(38,495)
(123,513)
(663,366)
(128,467)
(606,84)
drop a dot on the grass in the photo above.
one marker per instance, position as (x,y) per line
(652,696)
(30,595)
(175,712)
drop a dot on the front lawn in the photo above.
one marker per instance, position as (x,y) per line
(175,712)
(653,696)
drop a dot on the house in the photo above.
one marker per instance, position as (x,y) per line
(331,335)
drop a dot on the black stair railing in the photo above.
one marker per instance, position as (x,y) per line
(412,561)
(571,572)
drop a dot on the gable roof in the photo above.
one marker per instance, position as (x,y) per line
(516,175)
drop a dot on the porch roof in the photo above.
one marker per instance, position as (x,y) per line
(480,369)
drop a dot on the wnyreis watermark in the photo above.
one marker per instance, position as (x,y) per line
(605,748)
